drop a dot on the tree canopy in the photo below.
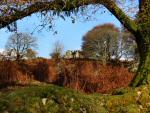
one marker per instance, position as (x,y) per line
(106,42)
(101,42)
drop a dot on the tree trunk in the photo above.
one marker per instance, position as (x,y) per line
(143,73)
(143,43)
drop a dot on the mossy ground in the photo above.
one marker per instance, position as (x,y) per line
(54,99)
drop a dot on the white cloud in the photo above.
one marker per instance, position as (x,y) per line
(1,50)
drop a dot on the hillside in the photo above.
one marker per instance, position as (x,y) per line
(54,99)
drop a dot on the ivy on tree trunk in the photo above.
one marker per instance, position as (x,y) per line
(143,42)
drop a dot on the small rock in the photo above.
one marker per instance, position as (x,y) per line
(44,101)
(140,106)
(72,99)
(139,93)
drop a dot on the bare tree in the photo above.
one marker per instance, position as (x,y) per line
(19,44)
(58,48)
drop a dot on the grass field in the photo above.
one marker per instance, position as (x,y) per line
(54,99)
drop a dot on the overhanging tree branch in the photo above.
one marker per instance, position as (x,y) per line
(120,15)
(67,5)
(57,5)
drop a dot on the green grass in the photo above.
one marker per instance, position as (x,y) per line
(63,100)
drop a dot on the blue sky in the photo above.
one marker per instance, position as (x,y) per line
(69,34)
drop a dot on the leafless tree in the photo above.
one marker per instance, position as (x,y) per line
(19,44)
(58,48)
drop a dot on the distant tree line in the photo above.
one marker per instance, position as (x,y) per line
(104,43)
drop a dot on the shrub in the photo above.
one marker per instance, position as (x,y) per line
(92,76)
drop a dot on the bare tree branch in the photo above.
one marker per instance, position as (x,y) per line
(67,5)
